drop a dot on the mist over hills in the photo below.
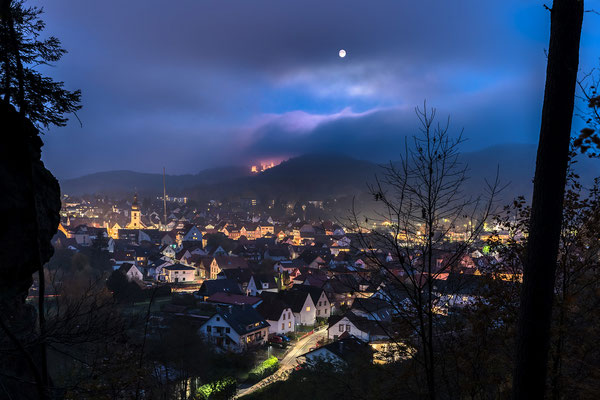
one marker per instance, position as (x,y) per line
(126,182)
(318,176)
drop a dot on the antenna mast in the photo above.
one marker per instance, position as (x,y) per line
(165,196)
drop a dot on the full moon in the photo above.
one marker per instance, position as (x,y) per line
(342,53)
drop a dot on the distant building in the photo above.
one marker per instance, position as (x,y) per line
(136,216)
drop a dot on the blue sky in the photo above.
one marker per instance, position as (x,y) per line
(191,84)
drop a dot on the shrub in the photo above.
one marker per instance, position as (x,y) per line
(217,390)
(264,369)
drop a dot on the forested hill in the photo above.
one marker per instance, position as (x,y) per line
(318,176)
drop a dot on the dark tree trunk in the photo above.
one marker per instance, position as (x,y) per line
(533,339)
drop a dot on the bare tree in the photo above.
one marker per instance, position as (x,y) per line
(423,206)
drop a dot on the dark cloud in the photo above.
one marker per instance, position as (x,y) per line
(194,83)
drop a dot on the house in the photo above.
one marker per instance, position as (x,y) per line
(260,283)
(210,287)
(192,235)
(236,329)
(300,303)
(344,351)
(319,297)
(177,273)
(124,256)
(220,263)
(361,327)
(278,314)
(372,308)
(131,272)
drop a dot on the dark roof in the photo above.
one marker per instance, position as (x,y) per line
(125,267)
(244,320)
(294,300)
(212,286)
(460,284)
(362,323)
(347,348)
(315,292)
(271,308)
(179,267)
(259,279)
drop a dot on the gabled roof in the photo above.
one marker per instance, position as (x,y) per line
(244,320)
(179,267)
(228,262)
(315,292)
(294,300)
(347,348)
(259,279)
(362,323)
(210,287)
(271,308)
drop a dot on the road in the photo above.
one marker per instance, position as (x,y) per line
(287,364)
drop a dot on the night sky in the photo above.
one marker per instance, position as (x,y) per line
(192,84)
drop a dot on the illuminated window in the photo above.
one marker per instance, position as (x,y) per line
(289,324)
(307,308)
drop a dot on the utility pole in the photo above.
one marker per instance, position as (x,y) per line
(164,197)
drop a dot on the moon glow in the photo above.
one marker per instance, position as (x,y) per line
(342,53)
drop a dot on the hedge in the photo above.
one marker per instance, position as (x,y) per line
(225,388)
(264,369)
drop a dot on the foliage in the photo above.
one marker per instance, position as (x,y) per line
(264,369)
(222,389)
(43,100)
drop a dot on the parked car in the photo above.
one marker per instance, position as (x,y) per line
(277,341)
(282,336)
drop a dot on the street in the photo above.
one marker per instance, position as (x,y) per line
(288,362)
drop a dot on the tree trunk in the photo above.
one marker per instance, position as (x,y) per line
(533,338)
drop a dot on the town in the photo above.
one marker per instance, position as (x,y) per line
(248,282)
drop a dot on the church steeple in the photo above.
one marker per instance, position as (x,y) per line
(135,206)
(136,215)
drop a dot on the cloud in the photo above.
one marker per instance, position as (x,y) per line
(194,83)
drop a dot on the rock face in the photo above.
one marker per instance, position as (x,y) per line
(29,206)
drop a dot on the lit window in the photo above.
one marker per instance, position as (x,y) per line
(307,308)
(289,324)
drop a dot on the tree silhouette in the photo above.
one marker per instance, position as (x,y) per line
(533,338)
(43,100)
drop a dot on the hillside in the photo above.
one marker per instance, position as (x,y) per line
(125,182)
(318,176)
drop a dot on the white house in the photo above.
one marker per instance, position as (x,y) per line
(300,303)
(177,273)
(278,314)
(131,272)
(236,329)
(360,327)
(319,297)
(261,283)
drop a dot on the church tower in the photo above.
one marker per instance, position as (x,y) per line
(136,215)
